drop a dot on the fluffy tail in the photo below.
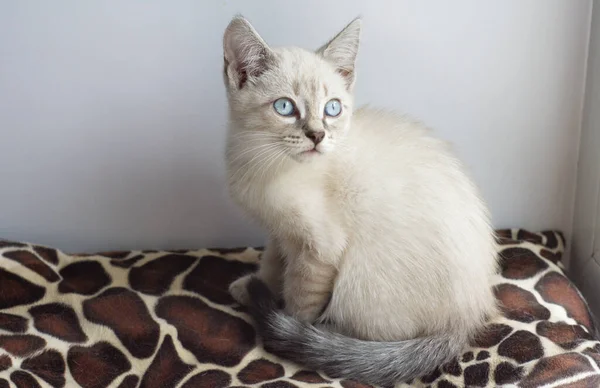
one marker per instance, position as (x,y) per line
(379,363)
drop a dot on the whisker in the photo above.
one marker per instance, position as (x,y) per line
(273,159)
(250,168)
(248,164)
(258,135)
(250,150)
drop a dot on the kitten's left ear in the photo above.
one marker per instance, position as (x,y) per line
(341,51)
(246,54)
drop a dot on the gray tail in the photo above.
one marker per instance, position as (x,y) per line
(378,363)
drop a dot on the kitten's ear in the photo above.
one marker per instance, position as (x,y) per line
(246,54)
(341,51)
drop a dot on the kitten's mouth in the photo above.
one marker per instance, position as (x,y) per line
(308,154)
(312,151)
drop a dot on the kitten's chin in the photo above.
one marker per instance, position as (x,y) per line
(307,156)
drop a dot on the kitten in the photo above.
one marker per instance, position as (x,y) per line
(373,224)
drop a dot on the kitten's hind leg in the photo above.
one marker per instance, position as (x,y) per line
(270,271)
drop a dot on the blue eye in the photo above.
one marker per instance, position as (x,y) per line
(284,106)
(333,108)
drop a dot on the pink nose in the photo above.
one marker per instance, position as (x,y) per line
(315,136)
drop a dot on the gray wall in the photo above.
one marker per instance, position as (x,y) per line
(585,258)
(112,113)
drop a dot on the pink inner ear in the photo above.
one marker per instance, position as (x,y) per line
(243,76)
(347,76)
(345,73)
(255,69)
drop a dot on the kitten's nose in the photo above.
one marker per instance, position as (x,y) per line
(315,136)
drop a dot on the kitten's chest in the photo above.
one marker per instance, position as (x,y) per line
(297,197)
(297,204)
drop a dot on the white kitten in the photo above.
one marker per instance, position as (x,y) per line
(374,225)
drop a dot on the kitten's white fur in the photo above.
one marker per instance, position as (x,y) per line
(382,202)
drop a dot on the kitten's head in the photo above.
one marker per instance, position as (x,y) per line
(288,102)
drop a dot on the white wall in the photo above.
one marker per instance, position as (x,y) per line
(112,112)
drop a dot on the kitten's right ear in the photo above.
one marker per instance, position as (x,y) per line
(246,54)
(341,51)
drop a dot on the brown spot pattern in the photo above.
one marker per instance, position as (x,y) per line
(24,380)
(446,384)
(210,379)
(11,244)
(468,356)
(519,304)
(31,261)
(553,257)
(594,355)
(83,277)
(507,373)
(5,362)
(477,375)
(504,237)
(105,360)
(167,369)
(554,368)
(453,368)
(48,254)
(504,241)
(557,289)
(225,251)
(156,276)
(49,365)
(211,335)
(130,381)
(307,376)
(353,384)
(58,320)
(4,383)
(491,335)
(17,291)
(520,263)
(128,263)
(222,273)
(588,382)
(279,384)
(260,370)
(563,334)
(551,239)
(524,235)
(21,345)
(114,254)
(503,233)
(14,323)
(431,377)
(522,347)
(126,314)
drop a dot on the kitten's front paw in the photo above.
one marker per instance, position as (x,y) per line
(239,290)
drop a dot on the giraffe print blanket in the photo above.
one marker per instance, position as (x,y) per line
(165,319)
